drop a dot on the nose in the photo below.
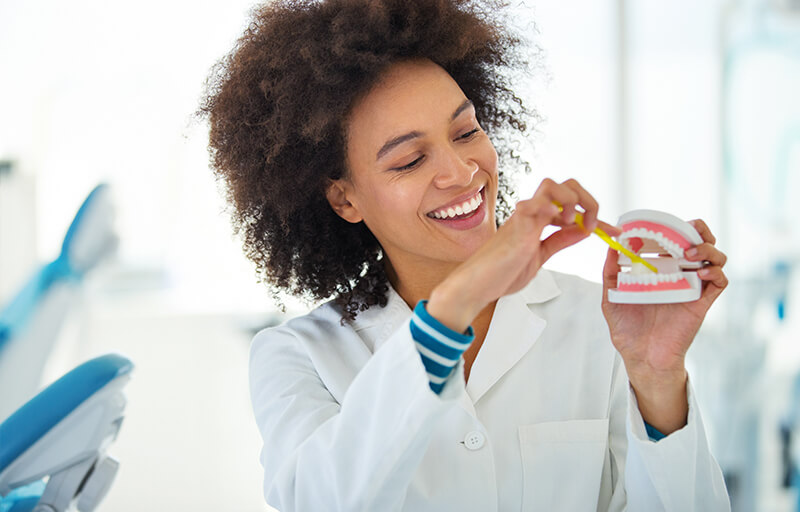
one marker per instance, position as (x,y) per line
(454,170)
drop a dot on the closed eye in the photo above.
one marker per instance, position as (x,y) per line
(410,165)
(469,134)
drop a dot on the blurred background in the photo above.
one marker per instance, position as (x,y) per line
(687,107)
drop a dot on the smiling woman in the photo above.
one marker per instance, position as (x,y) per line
(362,145)
(278,123)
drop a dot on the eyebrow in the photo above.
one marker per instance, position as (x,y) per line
(396,141)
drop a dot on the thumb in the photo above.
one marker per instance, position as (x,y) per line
(610,271)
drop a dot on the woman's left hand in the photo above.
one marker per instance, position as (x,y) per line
(653,338)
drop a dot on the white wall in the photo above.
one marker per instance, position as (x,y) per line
(96,91)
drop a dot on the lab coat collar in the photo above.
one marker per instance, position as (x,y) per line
(540,289)
(387,318)
(512,333)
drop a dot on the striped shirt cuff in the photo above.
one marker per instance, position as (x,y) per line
(439,346)
(652,433)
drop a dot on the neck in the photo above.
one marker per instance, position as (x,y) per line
(414,284)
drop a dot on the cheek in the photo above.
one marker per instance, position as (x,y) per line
(491,158)
(395,197)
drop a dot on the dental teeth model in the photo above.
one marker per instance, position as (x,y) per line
(663,238)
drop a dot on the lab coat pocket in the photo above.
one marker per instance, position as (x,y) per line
(563,464)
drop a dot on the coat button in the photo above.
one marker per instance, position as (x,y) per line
(474,440)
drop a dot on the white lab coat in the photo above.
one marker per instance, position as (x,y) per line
(547,421)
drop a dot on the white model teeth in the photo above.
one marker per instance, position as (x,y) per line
(675,250)
(462,209)
(628,278)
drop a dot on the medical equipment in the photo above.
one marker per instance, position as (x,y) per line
(30,323)
(667,237)
(53,449)
(89,239)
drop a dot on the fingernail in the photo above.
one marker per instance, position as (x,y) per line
(703,272)
(691,252)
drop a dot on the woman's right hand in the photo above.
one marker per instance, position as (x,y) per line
(515,253)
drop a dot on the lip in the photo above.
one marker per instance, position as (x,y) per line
(457,201)
(473,220)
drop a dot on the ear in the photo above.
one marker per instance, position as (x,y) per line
(337,194)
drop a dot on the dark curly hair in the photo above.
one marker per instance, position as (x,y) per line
(278,105)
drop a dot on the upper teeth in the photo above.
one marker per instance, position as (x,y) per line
(675,250)
(461,209)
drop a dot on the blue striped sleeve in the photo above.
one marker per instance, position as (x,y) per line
(439,346)
(652,433)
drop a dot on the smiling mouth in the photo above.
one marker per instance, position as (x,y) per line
(665,238)
(461,210)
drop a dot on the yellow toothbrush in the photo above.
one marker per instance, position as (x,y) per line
(612,243)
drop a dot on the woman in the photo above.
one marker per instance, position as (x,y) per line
(357,139)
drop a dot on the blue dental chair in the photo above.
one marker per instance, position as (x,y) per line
(53,449)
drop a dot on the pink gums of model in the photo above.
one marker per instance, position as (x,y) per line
(661,239)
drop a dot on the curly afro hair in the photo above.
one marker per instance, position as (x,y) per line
(278,104)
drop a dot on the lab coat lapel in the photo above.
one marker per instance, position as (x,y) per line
(386,320)
(514,329)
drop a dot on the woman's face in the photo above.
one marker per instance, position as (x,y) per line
(416,157)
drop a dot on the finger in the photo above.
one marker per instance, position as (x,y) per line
(715,281)
(541,210)
(587,202)
(707,252)
(703,230)
(610,270)
(561,239)
(609,228)
(564,196)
